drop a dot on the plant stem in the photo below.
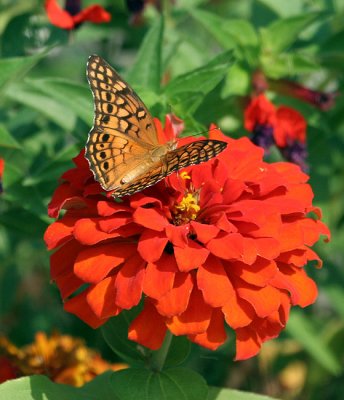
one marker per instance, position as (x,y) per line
(159,357)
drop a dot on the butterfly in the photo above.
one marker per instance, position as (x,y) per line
(122,149)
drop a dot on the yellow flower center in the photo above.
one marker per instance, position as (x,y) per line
(187,210)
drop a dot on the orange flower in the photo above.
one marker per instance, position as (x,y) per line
(225,242)
(72,15)
(62,358)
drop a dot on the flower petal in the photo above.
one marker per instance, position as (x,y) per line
(150,218)
(101,298)
(94,13)
(214,283)
(190,257)
(94,263)
(150,335)
(176,300)
(159,276)
(195,319)
(79,306)
(151,245)
(215,335)
(238,312)
(247,344)
(129,282)
(87,231)
(57,16)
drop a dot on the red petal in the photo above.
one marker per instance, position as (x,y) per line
(247,344)
(87,232)
(215,335)
(195,319)
(159,276)
(176,300)
(258,274)
(148,328)
(190,257)
(61,195)
(302,289)
(228,246)
(101,298)
(264,300)
(79,306)
(57,16)
(62,261)
(214,283)
(238,313)
(94,13)
(129,282)
(59,232)
(150,218)
(108,208)
(68,284)
(204,232)
(178,235)
(151,245)
(111,224)
(95,263)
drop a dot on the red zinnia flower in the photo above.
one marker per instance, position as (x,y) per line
(222,242)
(72,15)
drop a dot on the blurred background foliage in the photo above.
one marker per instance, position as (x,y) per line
(198,64)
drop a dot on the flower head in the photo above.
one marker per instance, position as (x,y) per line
(282,126)
(62,358)
(222,243)
(73,15)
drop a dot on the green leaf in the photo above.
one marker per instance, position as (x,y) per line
(284,8)
(40,387)
(54,110)
(13,69)
(147,71)
(336,296)
(302,330)
(237,82)
(178,351)
(7,140)
(282,33)
(75,97)
(51,169)
(229,394)
(194,85)
(115,333)
(287,64)
(172,384)
(231,33)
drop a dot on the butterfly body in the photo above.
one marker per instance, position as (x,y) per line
(123,149)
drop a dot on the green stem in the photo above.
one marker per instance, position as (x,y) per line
(159,357)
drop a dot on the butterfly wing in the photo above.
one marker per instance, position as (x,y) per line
(184,156)
(123,131)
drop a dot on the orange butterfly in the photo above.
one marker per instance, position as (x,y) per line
(122,147)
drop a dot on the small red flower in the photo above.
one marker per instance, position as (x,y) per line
(282,126)
(72,15)
(222,243)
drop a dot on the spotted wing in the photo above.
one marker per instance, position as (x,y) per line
(123,130)
(117,107)
(190,154)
